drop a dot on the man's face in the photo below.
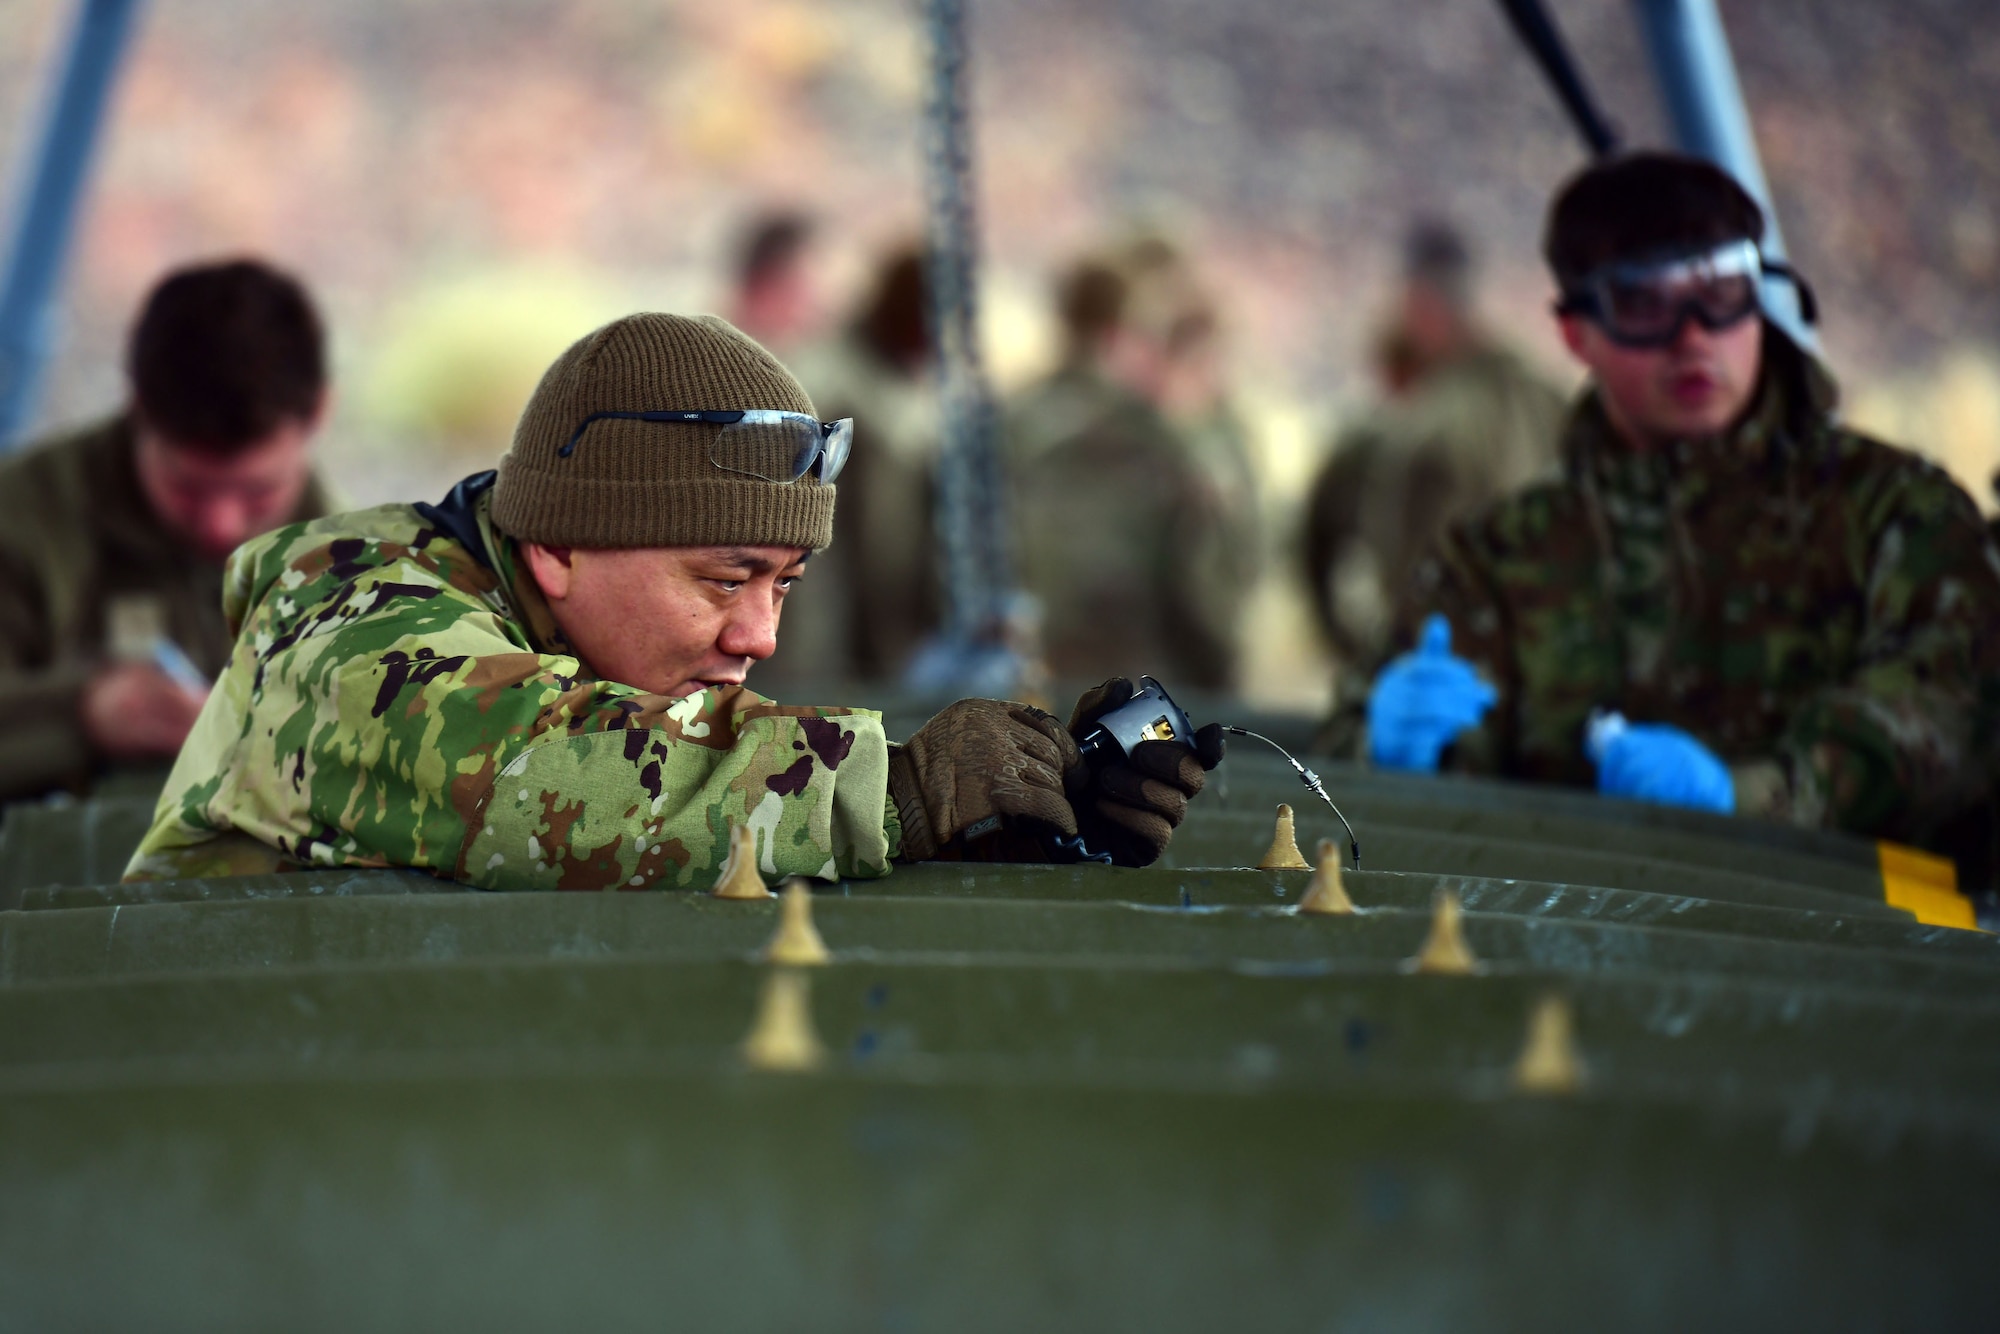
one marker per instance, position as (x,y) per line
(669,620)
(216,502)
(1698,385)
(781,306)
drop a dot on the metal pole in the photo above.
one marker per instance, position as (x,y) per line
(46,207)
(1696,74)
(1538,32)
(971,506)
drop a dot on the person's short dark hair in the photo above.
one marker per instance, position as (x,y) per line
(1643,204)
(772,242)
(223,354)
(895,320)
(1090,299)
(1436,255)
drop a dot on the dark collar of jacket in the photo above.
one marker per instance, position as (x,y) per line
(465,515)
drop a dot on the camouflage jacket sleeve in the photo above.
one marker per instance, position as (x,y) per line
(1901,743)
(384,708)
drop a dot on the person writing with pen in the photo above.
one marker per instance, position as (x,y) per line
(113,537)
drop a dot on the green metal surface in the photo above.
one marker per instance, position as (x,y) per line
(1250,791)
(1240,839)
(1164,888)
(1070,1097)
(386,930)
(649,1198)
(69,843)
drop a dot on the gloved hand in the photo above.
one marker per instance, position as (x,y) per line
(1423,700)
(983,781)
(1131,806)
(1657,762)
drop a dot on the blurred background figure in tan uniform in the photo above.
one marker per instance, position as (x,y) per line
(1463,421)
(113,536)
(867,602)
(1135,508)
(777,298)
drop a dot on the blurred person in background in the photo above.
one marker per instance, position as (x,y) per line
(1196,398)
(113,537)
(777,296)
(1137,535)
(1464,422)
(881,577)
(1727,601)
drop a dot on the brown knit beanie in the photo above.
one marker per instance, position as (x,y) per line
(652,484)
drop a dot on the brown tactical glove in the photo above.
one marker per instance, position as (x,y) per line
(1131,806)
(983,781)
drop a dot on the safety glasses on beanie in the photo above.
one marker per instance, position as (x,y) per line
(1645,303)
(761,442)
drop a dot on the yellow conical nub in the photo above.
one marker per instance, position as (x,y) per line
(1284,854)
(739,878)
(1550,1061)
(1445,950)
(797,941)
(783,1039)
(1325,893)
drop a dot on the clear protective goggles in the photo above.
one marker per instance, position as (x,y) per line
(761,442)
(1645,303)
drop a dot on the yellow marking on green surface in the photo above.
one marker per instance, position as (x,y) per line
(1925,886)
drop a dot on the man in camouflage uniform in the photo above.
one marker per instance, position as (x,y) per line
(1466,422)
(1791,619)
(112,537)
(1140,549)
(538,683)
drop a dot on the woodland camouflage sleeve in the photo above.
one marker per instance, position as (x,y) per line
(379,711)
(1901,745)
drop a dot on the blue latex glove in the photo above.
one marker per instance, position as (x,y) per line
(1422,701)
(1656,762)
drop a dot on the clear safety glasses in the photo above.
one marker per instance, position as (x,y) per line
(775,446)
(1645,303)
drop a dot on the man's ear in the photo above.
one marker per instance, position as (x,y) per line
(1576,336)
(553,568)
(322,409)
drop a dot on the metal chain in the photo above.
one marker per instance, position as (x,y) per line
(971,508)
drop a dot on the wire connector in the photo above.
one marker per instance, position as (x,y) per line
(1312,782)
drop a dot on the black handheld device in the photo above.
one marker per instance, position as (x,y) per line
(1150,715)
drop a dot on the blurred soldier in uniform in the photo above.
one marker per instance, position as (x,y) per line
(1467,422)
(1135,534)
(1727,600)
(112,538)
(885,553)
(1195,397)
(538,683)
(777,300)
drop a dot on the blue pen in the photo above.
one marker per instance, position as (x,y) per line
(170,658)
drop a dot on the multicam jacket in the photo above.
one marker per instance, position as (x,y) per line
(399,695)
(1820,609)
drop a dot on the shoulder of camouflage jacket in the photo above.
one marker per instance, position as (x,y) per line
(380,685)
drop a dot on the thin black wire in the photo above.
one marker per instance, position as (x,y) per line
(1313,785)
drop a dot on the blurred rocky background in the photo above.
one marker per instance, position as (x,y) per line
(469,184)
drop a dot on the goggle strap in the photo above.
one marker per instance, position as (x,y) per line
(1808,303)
